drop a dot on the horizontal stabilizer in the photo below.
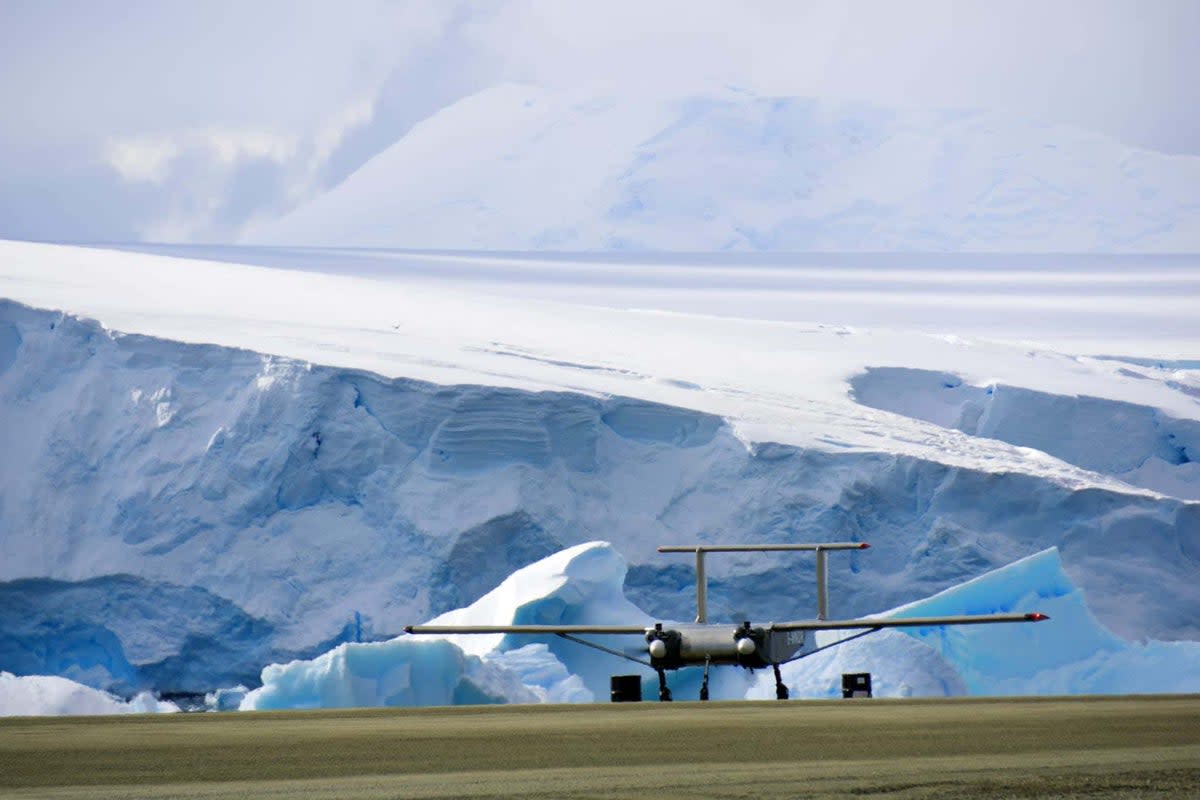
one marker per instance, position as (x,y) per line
(760,548)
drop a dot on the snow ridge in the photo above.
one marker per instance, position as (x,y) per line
(1139,444)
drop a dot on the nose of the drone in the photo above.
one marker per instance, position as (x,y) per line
(746,646)
(658,648)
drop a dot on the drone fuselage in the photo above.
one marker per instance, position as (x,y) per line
(744,645)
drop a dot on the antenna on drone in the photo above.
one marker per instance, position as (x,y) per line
(821,549)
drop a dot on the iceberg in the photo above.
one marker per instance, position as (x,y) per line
(50,695)
(1070,653)
(402,672)
(579,585)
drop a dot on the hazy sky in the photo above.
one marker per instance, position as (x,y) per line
(189,120)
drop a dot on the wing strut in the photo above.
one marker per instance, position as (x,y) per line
(604,649)
(858,635)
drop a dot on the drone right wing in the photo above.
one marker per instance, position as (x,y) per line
(903,622)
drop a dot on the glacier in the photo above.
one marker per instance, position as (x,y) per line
(211,467)
(303,506)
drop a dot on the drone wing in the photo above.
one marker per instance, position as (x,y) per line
(799,625)
(552,629)
(903,622)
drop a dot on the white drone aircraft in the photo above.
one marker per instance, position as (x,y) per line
(706,644)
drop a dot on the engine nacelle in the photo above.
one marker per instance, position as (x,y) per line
(664,646)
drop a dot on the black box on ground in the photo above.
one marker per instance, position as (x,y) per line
(856,684)
(627,688)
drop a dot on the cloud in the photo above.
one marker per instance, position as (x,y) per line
(143,160)
(213,182)
(194,119)
(188,121)
(148,158)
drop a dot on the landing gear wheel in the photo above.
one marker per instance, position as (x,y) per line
(781,691)
(664,694)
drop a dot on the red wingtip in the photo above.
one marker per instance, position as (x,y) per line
(863,546)
(1036,617)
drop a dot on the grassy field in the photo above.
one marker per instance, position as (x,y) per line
(1127,747)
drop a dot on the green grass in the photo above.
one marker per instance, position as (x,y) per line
(1128,747)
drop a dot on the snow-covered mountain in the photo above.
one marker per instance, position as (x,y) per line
(523,168)
(209,466)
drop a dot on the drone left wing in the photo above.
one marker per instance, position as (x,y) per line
(903,622)
(552,629)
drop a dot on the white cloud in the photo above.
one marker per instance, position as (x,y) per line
(195,172)
(147,159)
(231,146)
(141,159)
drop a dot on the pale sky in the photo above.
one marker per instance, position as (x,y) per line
(152,119)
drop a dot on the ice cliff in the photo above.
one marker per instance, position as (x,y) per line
(173,516)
